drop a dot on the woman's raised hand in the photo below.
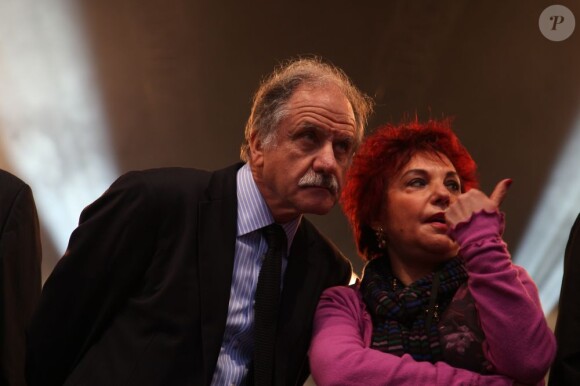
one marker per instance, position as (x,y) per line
(474,201)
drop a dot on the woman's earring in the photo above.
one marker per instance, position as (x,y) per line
(381,240)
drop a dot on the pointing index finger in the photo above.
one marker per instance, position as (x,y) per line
(500,191)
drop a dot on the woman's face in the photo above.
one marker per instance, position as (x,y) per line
(413,218)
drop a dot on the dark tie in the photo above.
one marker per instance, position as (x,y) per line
(266,306)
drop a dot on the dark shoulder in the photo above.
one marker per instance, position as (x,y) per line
(163,183)
(169,176)
(178,179)
(315,236)
(170,187)
(11,188)
(10,184)
(13,193)
(326,249)
(151,193)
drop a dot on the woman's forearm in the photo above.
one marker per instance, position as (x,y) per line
(519,343)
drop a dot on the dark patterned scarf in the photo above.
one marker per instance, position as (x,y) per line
(405,317)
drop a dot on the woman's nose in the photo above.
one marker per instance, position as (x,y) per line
(441,197)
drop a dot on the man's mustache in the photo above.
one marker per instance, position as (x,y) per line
(321,180)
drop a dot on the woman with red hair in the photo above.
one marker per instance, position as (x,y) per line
(440,302)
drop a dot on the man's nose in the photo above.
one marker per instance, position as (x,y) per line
(325,161)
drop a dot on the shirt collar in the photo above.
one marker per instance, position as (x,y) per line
(253,212)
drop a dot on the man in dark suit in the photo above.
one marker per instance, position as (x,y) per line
(158,284)
(20,278)
(566,368)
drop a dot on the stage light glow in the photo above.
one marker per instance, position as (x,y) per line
(53,130)
(541,251)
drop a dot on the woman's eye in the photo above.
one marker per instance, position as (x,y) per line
(453,186)
(417,182)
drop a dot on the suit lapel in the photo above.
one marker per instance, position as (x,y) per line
(217,238)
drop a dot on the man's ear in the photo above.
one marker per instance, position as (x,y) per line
(256,150)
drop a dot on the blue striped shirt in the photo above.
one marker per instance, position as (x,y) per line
(237,348)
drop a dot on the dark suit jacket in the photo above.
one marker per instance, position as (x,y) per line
(141,295)
(566,368)
(20,279)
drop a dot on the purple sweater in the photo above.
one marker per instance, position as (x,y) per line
(519,344)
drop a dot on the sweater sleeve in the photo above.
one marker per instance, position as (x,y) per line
(340,356)
(519,343)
